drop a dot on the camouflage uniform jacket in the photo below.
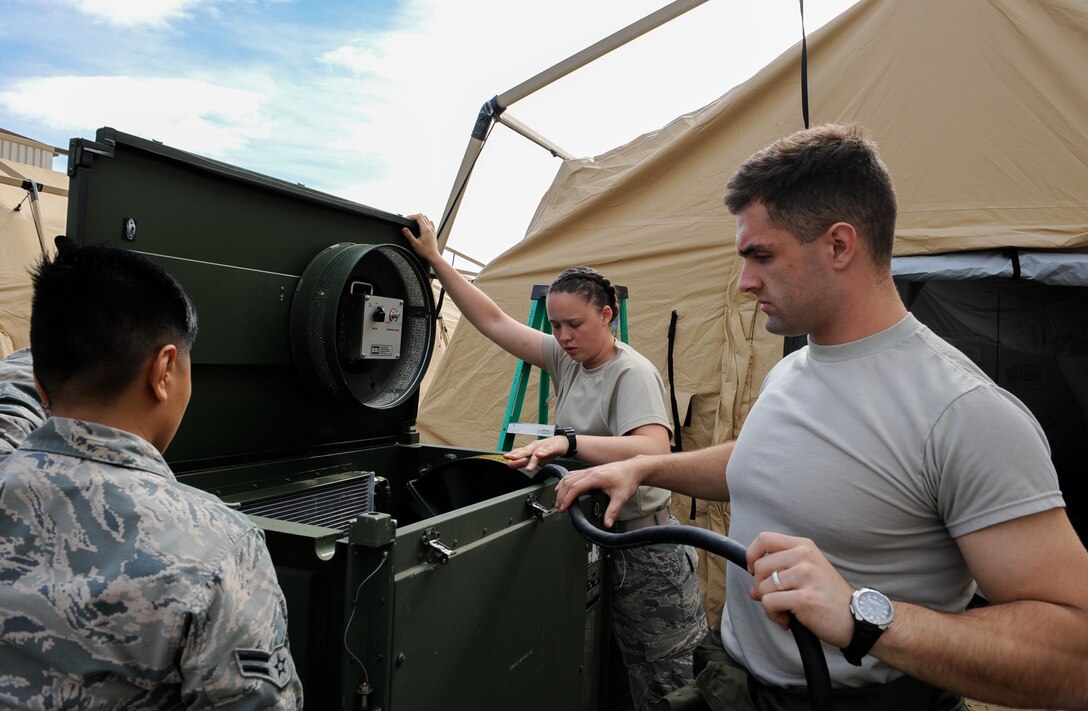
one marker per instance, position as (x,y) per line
(122,589)
(21,410)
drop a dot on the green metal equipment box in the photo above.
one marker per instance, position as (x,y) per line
(416,577)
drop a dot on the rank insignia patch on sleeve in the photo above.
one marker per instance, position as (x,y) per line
(274,666)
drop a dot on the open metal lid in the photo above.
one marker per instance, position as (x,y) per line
(316,322)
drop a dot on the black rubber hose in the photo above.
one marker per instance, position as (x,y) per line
(817,676)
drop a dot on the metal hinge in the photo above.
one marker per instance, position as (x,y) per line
(84,152)
(539,509)
(436,551)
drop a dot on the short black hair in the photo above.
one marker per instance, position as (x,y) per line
(814,178)
(98,313)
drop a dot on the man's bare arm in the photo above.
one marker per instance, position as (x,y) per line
(700,474)
(1029,647)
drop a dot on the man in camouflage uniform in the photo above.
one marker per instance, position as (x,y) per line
(122,588)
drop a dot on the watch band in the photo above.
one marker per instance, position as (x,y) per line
(572,439)
(865,636)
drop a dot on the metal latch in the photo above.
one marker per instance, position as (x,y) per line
(539,509)
(437,552)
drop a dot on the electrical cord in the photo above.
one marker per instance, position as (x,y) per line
(817,676)
(347,626)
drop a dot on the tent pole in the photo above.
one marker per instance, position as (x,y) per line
(597,50)
(32,191)
(518,127)
(490,111)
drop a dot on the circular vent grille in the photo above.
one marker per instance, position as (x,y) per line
(327,323)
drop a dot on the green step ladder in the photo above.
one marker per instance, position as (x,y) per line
(538,319)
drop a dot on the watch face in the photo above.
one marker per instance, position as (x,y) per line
(873,607)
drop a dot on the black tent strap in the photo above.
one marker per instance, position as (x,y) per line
(677,425)
(1014,256)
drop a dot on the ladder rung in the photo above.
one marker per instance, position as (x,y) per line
(531,428)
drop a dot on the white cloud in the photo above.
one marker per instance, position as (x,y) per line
(134,13)
(190,114)
(359,60)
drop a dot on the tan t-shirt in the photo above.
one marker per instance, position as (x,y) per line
(610,400)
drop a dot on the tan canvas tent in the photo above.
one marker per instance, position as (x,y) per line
(21,243)
(445,325)
(980,108)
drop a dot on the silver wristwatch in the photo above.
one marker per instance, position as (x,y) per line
(873,613)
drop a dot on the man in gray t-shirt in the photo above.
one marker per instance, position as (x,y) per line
(879,478)
(886,486)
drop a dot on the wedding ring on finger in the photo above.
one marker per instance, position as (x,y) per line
(777,581)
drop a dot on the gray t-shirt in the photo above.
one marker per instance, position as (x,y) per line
(610,400)
(883,451)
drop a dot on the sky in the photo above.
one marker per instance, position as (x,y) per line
(374,100)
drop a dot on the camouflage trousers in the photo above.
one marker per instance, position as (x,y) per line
(657,619)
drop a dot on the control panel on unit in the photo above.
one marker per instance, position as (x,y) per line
(370,327)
